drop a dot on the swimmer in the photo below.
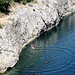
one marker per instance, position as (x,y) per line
(47,62)
(33,48)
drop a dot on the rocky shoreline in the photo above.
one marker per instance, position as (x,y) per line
(27,24)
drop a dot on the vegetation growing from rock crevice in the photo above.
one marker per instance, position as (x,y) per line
(73,3)
(1,26)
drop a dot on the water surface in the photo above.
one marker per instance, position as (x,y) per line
(54,52)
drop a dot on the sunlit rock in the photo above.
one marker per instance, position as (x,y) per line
(28,23)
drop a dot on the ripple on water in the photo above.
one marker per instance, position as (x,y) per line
(50,59)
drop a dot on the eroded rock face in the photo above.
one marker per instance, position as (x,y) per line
(28,23)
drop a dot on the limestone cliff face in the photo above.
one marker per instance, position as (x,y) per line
(28,23)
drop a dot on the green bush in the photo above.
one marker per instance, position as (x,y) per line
(0,12)
(4,4)
(29,0)
(17,0)
(73,3)
(24,2)
(1,26)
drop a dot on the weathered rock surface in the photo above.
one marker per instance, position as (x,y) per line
(28,23)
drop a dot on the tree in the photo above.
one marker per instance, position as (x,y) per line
(4,4)
(17,1)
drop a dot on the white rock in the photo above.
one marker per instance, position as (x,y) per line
(26,24)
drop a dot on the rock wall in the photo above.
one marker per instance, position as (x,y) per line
(28,23)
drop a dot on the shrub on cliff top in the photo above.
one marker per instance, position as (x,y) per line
(4,4)
(24,2)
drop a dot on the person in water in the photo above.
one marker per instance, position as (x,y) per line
(33,48)
(47,62)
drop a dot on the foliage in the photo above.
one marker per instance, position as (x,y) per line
(73,3)
(0,12)
(29,0)
(24,2)
(4,4)
(33,35)
(0,51)
(1,26)
(17,0)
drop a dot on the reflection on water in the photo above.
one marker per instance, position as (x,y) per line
(54,52)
